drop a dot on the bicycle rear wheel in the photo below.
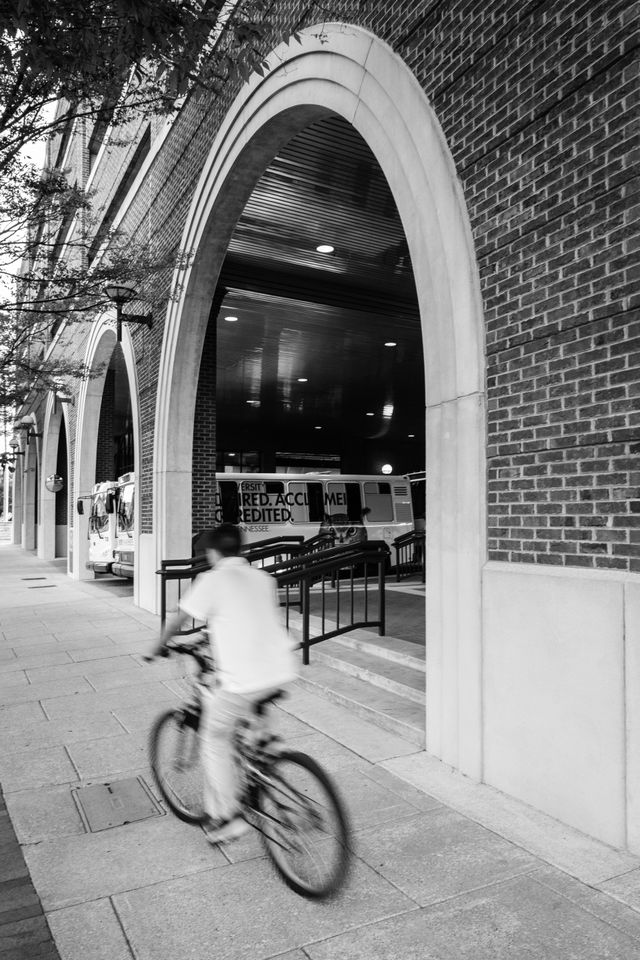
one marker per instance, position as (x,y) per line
(174,746)
(304,826)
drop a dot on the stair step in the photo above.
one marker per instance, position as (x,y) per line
(389,648)
(405,681)
(384,708)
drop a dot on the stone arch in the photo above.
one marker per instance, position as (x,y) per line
(54,416)
(100,347)
(29,487)
(352,73)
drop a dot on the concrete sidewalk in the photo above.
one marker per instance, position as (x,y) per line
(445,869)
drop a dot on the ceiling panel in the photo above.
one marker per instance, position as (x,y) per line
(325,318)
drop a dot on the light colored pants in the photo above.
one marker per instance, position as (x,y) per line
(220,714)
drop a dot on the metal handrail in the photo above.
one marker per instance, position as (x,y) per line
(298,574)
(316,569)
(410,554)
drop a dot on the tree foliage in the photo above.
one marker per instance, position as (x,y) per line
(104,61)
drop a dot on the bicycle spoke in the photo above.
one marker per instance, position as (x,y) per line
(306,832)
(176,766)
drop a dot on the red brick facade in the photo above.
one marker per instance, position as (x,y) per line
(537,102)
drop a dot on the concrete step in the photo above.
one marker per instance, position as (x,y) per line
(403,679)
(389,648)
(386,709)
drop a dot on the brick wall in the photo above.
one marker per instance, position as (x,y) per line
(105,446)
(538,102)
(204,438)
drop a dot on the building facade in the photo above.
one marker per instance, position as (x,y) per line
(506,135)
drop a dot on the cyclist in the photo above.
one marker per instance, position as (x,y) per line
(253,655)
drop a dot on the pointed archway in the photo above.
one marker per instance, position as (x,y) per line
(52,515)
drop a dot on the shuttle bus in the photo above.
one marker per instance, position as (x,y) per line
(124,551)
(102,526)
(348,507)
(111,543)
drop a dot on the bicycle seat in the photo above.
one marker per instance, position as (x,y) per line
(259,705)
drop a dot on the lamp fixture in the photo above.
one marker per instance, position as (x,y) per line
(391,343)
(10,459)
(387,469)
(27,425)
(411,436)
(325,248)
(370,414)
(231,319)
(121,293)
(302,380)
(387,411)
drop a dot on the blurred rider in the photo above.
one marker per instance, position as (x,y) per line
(253,656)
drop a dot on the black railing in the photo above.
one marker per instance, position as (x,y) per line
(343,578)
(410,554)
(274,548)
(313,581)
(182,573)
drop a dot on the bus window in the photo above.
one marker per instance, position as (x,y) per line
(298,500)
(274,486)
(228,501)
(99,518)
(316,502)
(343,499)
(305,502)
(354,501)
(377,497)
(125,509)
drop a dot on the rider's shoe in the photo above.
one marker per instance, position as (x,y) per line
(222,831)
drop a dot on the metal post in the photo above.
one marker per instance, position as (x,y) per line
(305,621)
(163,597)
(381,596)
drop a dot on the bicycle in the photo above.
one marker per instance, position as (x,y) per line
(304,826)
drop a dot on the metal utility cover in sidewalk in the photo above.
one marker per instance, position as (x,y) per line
(105,805)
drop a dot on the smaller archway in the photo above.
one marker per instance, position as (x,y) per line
(30,474)
(18,484)
(103,358)
(53,519)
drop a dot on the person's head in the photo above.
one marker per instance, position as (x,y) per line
(222,541)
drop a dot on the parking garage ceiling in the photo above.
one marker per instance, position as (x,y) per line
(309,348)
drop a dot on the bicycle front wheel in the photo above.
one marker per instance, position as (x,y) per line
(304,826)
(174,745)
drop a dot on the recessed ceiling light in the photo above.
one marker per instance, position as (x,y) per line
(302,380)
(391,343)
(370,414)
(231,319)
(325,248)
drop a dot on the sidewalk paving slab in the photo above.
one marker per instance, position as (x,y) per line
(89,930)
(444,869)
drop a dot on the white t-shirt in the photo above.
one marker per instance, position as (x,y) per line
(251,647)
